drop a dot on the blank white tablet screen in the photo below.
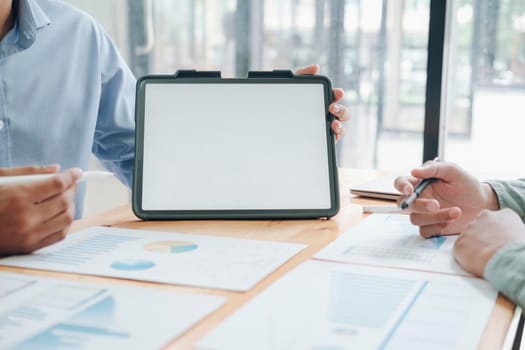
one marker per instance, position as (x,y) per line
(235,147)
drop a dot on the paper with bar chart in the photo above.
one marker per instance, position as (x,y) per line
(391,240)
(324,305)
(166,257)
(45,313)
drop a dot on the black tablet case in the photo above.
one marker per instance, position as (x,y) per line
(212,77)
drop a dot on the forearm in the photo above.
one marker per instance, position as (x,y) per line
(510,194)
(114,139)
(506,272)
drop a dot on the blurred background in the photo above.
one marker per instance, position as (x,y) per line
(376,50)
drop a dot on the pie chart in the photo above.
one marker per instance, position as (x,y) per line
(170,247)
(132,264)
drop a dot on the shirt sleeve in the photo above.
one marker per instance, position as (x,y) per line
(510,194)
(114,139)
(506,272)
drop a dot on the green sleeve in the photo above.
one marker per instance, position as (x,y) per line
(506,272)
(510,194)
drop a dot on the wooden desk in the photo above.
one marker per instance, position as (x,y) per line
(315,233)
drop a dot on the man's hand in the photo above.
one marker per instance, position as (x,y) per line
(37,214)
(449,204)
(339,111)
(484,236)
(30,170)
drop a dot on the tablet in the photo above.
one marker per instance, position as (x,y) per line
(213,148)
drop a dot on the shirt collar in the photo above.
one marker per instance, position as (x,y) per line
(30,18)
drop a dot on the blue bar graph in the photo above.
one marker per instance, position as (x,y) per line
(78,331)
(86,250)
(366,300)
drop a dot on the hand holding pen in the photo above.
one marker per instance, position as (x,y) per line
(420,187)
(452,198)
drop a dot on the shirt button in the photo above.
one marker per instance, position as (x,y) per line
(1,124)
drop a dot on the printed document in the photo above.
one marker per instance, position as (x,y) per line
(165,257)
(391,240)
(45,313)
(324,305)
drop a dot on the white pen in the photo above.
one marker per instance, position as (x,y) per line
(382,209)
(20,179)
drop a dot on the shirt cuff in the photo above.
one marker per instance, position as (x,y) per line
(506,271)
(510,194)
(499,190)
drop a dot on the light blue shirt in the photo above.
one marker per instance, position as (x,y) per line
(64,92)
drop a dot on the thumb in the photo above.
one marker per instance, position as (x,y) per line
(440,170)
(30,170)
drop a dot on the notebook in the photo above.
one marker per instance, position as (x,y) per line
(381,187)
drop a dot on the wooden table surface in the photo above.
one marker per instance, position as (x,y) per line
(314,233)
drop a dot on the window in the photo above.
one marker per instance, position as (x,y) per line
(485,89)
(375,50)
